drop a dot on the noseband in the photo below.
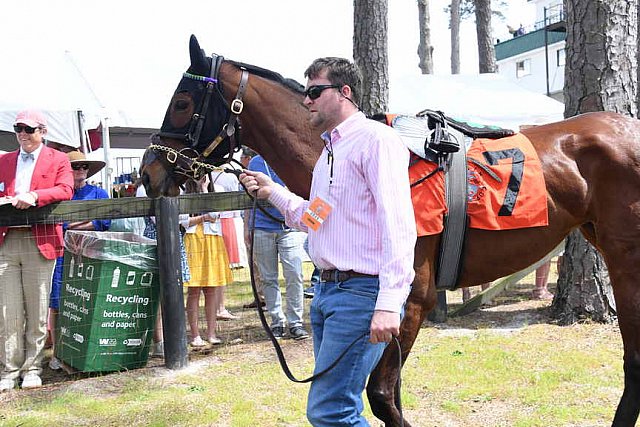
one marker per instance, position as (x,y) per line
(188,161)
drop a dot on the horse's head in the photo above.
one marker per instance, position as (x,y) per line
(201,126)
(197,131)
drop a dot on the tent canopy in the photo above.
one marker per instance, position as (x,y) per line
(58,89)
(487,99)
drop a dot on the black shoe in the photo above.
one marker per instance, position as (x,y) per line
(278,332)
(253,304)
(298,333)
(308,293)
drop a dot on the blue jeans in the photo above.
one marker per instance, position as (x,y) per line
(288,245)
(341,314)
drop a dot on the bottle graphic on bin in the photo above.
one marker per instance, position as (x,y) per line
(116,277)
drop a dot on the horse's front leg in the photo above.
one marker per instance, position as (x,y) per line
(381,389)
(627,295)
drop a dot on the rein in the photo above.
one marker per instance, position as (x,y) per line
(276,345)
(263,320)
(191,164)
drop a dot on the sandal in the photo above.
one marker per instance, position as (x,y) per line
(226,315)
(541,294)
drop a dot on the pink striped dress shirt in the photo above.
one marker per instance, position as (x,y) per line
(371,228)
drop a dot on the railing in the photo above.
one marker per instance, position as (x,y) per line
(554,14)
(166,211)
(126,207)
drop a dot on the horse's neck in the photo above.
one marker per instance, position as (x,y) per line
(275,123)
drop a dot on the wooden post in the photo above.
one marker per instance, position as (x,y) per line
(171,296)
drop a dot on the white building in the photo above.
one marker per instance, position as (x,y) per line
(535,60)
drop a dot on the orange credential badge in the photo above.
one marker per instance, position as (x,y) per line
(316,213)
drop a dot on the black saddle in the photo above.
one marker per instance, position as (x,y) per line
(437,119)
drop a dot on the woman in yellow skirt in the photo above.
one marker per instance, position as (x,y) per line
(209,266)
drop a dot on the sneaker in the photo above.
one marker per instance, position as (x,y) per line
(198,342)
(308,293)
(278,332)
(7,384)
(298,333)
(158,349)
(54,364)
(31,380)
(215,341)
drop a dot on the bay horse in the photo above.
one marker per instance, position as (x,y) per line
(591,166)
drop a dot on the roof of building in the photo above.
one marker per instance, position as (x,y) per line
(527,42)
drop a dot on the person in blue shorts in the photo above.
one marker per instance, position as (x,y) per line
(82,170)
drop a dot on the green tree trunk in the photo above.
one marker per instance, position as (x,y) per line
(486,51)
(425,49)
(454,24)
(370,27)
(600,75)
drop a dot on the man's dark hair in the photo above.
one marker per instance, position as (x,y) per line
(340,71)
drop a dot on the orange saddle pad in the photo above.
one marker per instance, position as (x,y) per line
(517,199)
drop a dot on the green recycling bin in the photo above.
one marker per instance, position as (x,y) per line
(108,301)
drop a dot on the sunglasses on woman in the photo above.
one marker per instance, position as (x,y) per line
(27,129)
(314,92)
(81,166)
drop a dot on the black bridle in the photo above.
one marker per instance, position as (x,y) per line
(188,161)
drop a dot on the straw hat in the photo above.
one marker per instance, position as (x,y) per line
(77,157)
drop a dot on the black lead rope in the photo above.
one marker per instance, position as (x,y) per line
(276,345)
(265,325)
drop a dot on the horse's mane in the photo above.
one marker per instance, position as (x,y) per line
(271,75)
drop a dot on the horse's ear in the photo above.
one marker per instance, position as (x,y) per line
(198,58)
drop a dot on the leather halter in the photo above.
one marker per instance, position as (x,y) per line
(188,161)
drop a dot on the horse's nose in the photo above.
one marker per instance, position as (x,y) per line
(144,177)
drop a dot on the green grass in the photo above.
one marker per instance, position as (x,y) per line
(548,380)
(538,375)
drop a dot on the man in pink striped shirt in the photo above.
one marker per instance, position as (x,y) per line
(362,235)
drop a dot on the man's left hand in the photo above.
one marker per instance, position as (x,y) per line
(384,326)
(24,200)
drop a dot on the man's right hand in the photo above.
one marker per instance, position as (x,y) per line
(257,183)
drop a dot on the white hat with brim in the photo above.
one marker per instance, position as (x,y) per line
(77,157)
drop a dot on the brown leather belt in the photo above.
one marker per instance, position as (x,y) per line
(341,276)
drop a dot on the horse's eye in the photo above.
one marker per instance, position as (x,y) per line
(180,105)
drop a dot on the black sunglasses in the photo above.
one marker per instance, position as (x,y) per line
(314,92)
(27,129)
(80,166)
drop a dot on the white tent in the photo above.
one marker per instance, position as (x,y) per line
(487,99)
(57,88)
